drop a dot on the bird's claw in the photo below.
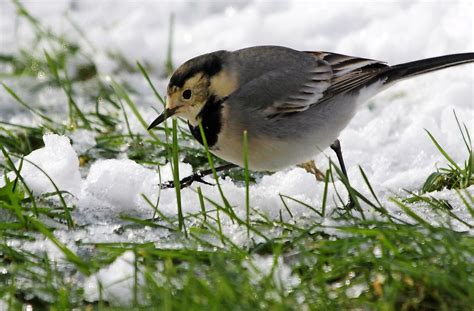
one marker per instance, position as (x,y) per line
(186,181)
(350,205)
(196,177)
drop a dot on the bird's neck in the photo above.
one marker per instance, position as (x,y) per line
(210,117)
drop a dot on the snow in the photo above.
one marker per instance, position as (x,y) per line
(262,267)
(3,304)
(115,283)
(386,138)
(58,160)
(47,247)
(119,182)
(82,140)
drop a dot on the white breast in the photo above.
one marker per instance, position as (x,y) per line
(317,129)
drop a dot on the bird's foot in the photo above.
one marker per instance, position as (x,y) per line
(311,168)
(186,181)
(350,205)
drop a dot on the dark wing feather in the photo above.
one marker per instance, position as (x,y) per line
(302,80)
(350,72)
(313,85)
(332,74)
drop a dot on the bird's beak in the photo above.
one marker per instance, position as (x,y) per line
(168,112)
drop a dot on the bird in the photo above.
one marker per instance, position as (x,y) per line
(292,104)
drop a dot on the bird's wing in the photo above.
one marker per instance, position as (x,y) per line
(349,73)
(318,77)
(300,89)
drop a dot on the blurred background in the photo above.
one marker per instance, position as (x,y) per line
(395,31)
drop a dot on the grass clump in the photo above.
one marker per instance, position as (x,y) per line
(454,176)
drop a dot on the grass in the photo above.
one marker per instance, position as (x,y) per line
(454,176)
(396,261)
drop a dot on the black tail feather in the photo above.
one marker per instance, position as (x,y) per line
(406,70)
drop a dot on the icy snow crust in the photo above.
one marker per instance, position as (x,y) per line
(116,187)
(386,137)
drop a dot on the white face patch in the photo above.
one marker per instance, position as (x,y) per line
(190,113)
(189,108)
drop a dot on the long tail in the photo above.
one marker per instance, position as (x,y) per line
(407,70)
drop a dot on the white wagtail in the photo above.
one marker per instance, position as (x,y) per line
(291,103)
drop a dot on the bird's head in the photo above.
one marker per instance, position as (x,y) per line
(193,83)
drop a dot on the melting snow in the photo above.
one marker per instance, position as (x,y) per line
(115,283)
(385,138)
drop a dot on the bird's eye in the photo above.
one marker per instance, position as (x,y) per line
(187,94)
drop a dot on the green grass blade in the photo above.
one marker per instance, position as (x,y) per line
(247,180)
(325,192)
(21,102)
(121,93)
(177,185)
(147,78)
(67,214)
(443,152)
(201,204)
(12,167)
(214,173)
(67,88)
(81,265)
(169,53)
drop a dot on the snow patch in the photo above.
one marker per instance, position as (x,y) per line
(114,283)
(261,267)
(119,182)
(58,160)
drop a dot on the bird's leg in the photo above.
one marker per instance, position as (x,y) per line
(311,168)
(197,176)
(336,146)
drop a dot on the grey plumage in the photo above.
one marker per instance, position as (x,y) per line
(292,103)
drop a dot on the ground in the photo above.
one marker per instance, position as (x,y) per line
(87,225)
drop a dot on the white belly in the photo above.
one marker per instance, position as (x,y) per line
(270,155)
(268,152)
(291,141)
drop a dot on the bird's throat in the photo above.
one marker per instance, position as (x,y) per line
(210,117)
